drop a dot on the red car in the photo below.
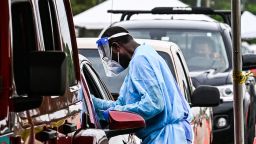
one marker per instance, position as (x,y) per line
(40,76)
(39,72)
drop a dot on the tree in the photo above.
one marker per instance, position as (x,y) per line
(82,5)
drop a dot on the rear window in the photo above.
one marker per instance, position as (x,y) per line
(114,84)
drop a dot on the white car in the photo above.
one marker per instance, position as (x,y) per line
(201,107)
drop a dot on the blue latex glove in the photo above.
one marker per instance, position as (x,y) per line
(106,114)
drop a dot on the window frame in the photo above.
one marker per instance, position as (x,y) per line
(185,81)
(52,18)
(72,51)
(94,80)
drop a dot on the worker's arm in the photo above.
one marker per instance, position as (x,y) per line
(101,104)
(144,85)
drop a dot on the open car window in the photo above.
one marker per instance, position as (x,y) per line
(114,84)
(96,86)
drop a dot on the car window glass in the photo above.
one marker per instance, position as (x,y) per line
(24,41)
(184,39)
(169,62)
(49,25)
(65,36)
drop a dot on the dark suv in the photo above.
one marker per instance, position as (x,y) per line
(216,70)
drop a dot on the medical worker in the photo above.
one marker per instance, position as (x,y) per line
(149,89)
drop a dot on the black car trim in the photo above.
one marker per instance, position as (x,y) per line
(126,14)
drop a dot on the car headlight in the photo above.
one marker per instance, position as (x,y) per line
(225,90)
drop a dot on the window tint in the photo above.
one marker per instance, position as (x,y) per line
(65,36)
(49,25)
(24,41)
(169,62)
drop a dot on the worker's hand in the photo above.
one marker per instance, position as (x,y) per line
(106,114)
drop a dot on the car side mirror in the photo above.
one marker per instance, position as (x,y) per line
(124,123)
(249,61)
(205,96)
(47,73)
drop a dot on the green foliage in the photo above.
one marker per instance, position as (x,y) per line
(251,41)
(221,4)
(218,18)
(79,6)
(189,2)
(215,4)
(251,7)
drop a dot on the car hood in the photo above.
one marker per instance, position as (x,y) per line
(210,77)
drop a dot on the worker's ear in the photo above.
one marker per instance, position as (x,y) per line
(115,46)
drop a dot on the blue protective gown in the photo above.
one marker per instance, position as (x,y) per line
(151,91)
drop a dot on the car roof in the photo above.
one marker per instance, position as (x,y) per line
(170,24)
(90,43)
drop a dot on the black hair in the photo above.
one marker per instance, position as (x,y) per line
(114,30)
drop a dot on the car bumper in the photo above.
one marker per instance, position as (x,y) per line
(223,134)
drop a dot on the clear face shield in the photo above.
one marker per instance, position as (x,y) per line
(111,67)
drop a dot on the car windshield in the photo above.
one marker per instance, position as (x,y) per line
(203,50)
(114,84)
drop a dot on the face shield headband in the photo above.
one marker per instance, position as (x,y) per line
(111,67)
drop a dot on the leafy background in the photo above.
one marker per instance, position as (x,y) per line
(250,5)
